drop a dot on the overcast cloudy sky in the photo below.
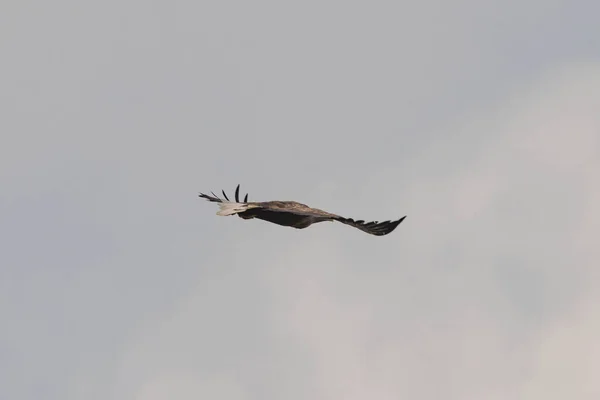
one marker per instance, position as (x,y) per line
(480,120)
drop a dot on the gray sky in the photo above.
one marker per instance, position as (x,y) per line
(478,120)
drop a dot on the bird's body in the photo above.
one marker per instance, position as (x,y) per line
(293,214)
(287,213)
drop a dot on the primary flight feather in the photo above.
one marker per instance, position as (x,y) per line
(291,213)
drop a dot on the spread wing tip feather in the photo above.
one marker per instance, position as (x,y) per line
(375,227)
(216,199)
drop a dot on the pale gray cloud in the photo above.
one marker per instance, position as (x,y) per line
(477,120)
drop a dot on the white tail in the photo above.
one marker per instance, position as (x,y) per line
(231,208)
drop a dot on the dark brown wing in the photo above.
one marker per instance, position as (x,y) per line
(373,228)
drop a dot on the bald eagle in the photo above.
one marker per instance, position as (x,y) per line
(291,213)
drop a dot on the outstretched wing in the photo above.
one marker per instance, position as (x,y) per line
(373,228)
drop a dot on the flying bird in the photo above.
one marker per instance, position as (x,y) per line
(291,213)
